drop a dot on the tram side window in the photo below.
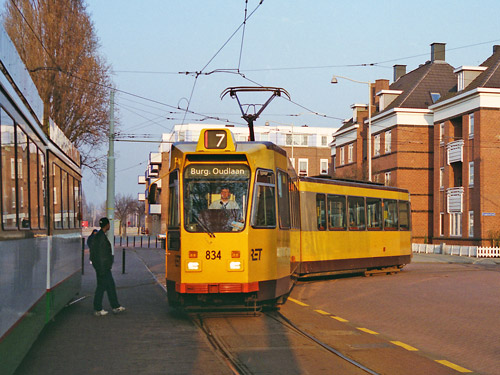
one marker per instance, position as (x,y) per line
(22,179)
(321,211)
(264,204)
(77,204)
(34,185)
(374,213)
(294,204)
(173,200)
(71,202)
(404,215)
(283,200)
(390,214)
(356,213)
(57,199)
(41,192)
(9,218)
(336,212)
(64,198)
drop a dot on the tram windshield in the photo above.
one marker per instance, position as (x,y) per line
(215,197)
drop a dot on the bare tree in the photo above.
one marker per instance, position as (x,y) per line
(141,213)
(125,205)
(57,42)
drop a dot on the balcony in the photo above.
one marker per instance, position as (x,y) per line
(155,209)
(142,180)
(154,168)
(154,158)
(455,151)
(455,197)
(141,197)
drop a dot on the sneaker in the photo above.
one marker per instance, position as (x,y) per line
(118,310)
(100,313)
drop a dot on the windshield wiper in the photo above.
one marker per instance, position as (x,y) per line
(205,228)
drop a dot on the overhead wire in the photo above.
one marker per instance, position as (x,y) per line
(243,34)
(205,117)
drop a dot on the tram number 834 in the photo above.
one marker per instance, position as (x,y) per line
(212,255)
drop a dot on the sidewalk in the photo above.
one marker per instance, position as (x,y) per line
(148,338)
(441,258)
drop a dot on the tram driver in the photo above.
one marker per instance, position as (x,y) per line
(224,203)
(234,221)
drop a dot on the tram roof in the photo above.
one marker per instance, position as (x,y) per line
(353,183)
(240,147)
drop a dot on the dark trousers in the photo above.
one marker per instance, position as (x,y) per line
(105,283)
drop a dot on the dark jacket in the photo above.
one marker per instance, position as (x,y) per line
(100,253)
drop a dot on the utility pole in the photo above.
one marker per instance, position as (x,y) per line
(110,194)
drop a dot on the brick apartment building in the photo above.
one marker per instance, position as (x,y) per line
(402,132)
(467,157)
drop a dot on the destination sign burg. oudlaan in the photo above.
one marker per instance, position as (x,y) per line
(217,171)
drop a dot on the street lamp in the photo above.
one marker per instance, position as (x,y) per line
(369,136)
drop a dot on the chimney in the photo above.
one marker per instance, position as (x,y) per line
(438,52)
(496,48)
(399,71)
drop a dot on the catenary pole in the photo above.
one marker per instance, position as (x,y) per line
(110,196)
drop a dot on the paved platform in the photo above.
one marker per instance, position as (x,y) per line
(148,338)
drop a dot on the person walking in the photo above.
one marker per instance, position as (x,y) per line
(102,260)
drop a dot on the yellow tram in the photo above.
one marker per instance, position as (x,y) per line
(226,242)
(351,226)
(242,226)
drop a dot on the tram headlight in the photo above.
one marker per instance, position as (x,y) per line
(193,266)
(235,265)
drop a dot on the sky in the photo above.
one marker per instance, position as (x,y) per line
(296,45)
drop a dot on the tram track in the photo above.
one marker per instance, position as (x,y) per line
(220,348)
(209,324)
(280,318)
(230,357)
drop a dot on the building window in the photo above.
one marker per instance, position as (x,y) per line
(341,160)
(456,224)
(441,132)
(350,152)
(303,164)
(296,139)
(388,142)
(471,125)
(376,148)
(323,166)
(471,223)
(324,140)
(12,168)
(471,173)
(13,198)
(441,224)
(387,178)
(264,137)
(435,96)
(441,178)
